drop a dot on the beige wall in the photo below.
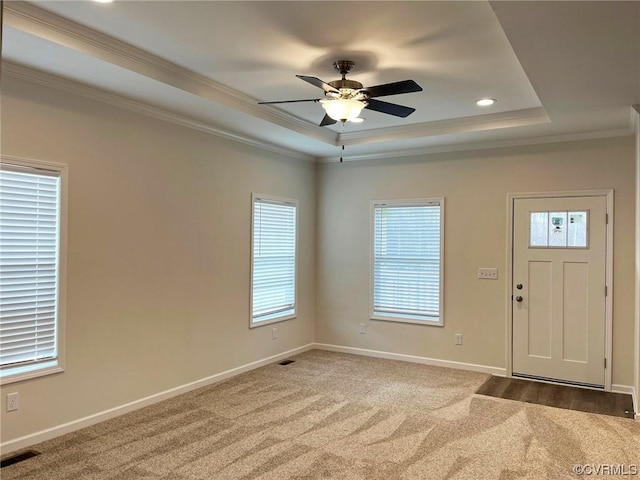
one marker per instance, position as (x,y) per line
(158,249)
(158,253)
(475,186)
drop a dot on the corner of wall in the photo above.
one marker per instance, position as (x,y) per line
(635,122)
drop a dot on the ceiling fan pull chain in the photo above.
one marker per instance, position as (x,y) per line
(342,150)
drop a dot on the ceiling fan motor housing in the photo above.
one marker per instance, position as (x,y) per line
(344,83)
(346,87)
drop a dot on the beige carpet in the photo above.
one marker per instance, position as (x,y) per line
(332,415)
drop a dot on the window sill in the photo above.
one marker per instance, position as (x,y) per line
(416,320)
(27,372)
(269,319)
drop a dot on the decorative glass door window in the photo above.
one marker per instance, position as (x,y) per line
(559,229)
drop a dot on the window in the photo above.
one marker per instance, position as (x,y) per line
(31,301)
(559,229)
(273,260)
(407,261)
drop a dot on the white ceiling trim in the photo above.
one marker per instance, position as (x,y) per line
(54,28)
(80,89)
(518,118)
(57,29)
(465,147)
(76,88)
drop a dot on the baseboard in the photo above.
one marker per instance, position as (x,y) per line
(43,435)
(626,389)
(501,372)
(636,402)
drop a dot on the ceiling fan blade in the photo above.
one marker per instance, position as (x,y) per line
(290,101)
(390,108)
(395,88)
(318,83)
(327,120)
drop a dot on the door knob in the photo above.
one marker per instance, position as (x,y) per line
(518,298)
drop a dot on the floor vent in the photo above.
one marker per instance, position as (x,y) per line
(21,457)
(286,362)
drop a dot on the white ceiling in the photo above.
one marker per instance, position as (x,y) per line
(559,70)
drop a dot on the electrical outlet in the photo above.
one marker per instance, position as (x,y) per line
(274,333)
(458,339)
(363,328)
(488,273)
(13,401)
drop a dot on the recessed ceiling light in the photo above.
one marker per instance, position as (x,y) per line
(486,102)
(103,1)
(357,120)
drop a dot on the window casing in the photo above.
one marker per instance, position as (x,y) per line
(273,259)
(32,268)
(407,261)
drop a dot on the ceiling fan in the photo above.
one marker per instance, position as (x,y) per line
(344,99)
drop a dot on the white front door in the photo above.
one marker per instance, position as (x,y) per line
(559,288)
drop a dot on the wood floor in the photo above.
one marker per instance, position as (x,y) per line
(560,396)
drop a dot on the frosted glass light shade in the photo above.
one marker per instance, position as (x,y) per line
(343,109)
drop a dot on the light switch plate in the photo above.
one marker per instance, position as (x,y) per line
(488,273)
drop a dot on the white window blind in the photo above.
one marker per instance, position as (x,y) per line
(29,250)
(407,261)
(273,290)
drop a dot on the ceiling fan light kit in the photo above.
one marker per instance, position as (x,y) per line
(343,109)
(345,99)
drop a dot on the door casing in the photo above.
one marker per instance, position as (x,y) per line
(608,193)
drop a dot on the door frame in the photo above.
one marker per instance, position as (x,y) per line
(608,345)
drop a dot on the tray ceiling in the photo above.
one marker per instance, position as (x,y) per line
(558,69)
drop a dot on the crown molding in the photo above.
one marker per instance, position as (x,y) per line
(82,90)
(51,27)
(476,123)
(465,147)
(20,72)
(41,23)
